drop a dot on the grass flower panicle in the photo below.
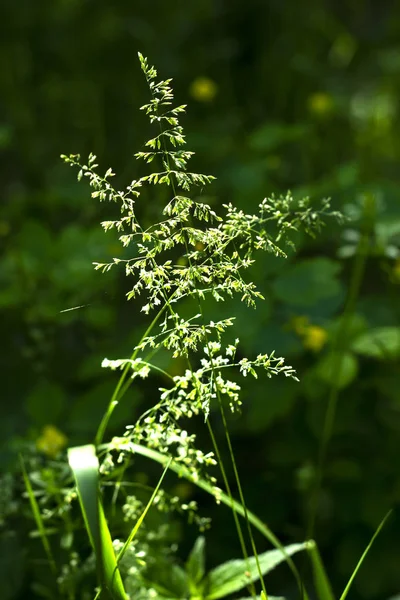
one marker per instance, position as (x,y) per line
(192,253)
(213,251)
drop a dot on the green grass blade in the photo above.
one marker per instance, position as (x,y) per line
(321,581)
(85,466)
(225,499)
(367,549)
(142,516)
(38,517)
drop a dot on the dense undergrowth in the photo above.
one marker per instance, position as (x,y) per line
(182,265)
(310,104)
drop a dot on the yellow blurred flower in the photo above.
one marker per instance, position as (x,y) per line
(51,441)
(203,89)
(315,338)
(320,103)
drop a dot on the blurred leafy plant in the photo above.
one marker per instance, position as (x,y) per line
(169,580)
(336,57)
(191,254)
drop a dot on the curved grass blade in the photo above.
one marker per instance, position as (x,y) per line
(142,516)
(85,466)
(225,499)
(367,549)
(38,517)
(321,581)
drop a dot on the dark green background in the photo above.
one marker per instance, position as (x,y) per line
(306,99)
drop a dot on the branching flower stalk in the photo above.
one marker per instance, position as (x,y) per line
(210,351)
(192,253)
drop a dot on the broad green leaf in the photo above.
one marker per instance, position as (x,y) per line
(353,324)
(337,369)
(85,466)
(309,282)
(381,343)
(234,575)
(168,579)
(195,565)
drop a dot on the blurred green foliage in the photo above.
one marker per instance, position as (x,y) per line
(281,95)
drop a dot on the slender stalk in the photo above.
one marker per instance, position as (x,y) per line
(38,519)
(230,496)
(213,439)
(333,397)
(117,395)
(367,549)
